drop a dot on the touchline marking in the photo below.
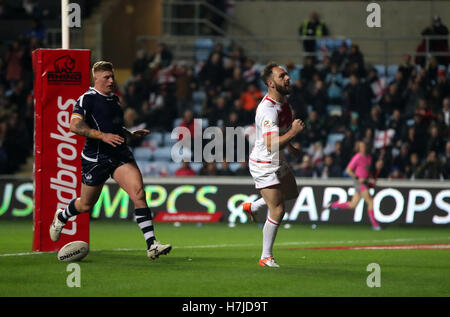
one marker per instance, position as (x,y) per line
(210,246)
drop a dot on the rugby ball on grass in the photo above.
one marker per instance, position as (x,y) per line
(73,251)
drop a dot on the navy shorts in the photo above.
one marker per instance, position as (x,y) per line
(97,173)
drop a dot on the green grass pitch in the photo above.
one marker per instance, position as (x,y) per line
(214,260)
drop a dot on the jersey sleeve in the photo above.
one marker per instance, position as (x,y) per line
(82,107)
(269,122)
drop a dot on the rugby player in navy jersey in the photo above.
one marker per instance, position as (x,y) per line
(98,116)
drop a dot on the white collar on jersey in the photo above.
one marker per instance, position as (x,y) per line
(110,95)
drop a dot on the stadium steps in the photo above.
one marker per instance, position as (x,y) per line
(92,26)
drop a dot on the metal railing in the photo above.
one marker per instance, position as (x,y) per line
(262,49)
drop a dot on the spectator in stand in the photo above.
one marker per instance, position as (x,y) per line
(185,85)
(251,98)
(220,113)
(340,56)
(131,98)
(236,85)
(402,160)
(243,169)
(406,67)
(140,64)
(445,161)
(318,94)
(392,99)
(225,169)
(208,169)
(213,72)
(315,129)
(436,142)
(376,121)
(297,99)
(414,144)
(413,169)
(435,45)
(397,123)
(355,125)
(313,26)
(308,70)
(162,109)
(446,111)
(250,72)
(305,168)
(335,83)
(184,170)
(330,168)
(14,68)
(356,61)
(411,96)
(162,57)
(431,168)
(357,96)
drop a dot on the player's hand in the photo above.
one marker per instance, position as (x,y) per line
(140,133)
(297,126)
(112,139)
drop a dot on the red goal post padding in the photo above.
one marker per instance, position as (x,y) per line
(60,77)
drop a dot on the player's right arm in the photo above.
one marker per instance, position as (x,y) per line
(275,142)
(80,127)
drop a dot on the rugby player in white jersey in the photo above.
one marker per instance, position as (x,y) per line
(273,177)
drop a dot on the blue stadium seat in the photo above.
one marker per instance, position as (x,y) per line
(334,137)
(162,154)
(196,166)
(168,141)
(234,166)
(198,96)
(173,167)
(142,154)
(203,47)
(380,69)
(334,110)
(156,138)
(177,122)
(392,69)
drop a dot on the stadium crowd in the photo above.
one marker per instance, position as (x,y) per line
(405,115)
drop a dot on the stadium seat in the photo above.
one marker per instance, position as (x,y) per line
(162,154)
(196,166)
(391,70)
(168,141)
(156,138)
(334,110)
(380,69)
(198,96)
(142,154)
(147,168)
(176,122)
(234,166)
(173,167)
(203,47)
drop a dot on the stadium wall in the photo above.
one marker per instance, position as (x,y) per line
(343,18)
(417,203)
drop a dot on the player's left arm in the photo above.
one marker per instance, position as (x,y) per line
(135,134)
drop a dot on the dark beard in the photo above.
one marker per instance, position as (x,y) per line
(282,89)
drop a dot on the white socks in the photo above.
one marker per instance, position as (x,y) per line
(269,233)
(257,204)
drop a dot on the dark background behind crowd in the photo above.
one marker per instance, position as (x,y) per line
(340,97)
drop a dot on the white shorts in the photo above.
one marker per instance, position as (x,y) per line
(266,174)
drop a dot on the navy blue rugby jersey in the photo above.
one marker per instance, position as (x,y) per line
(103,113)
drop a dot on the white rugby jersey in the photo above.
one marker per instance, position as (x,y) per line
(271,116)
